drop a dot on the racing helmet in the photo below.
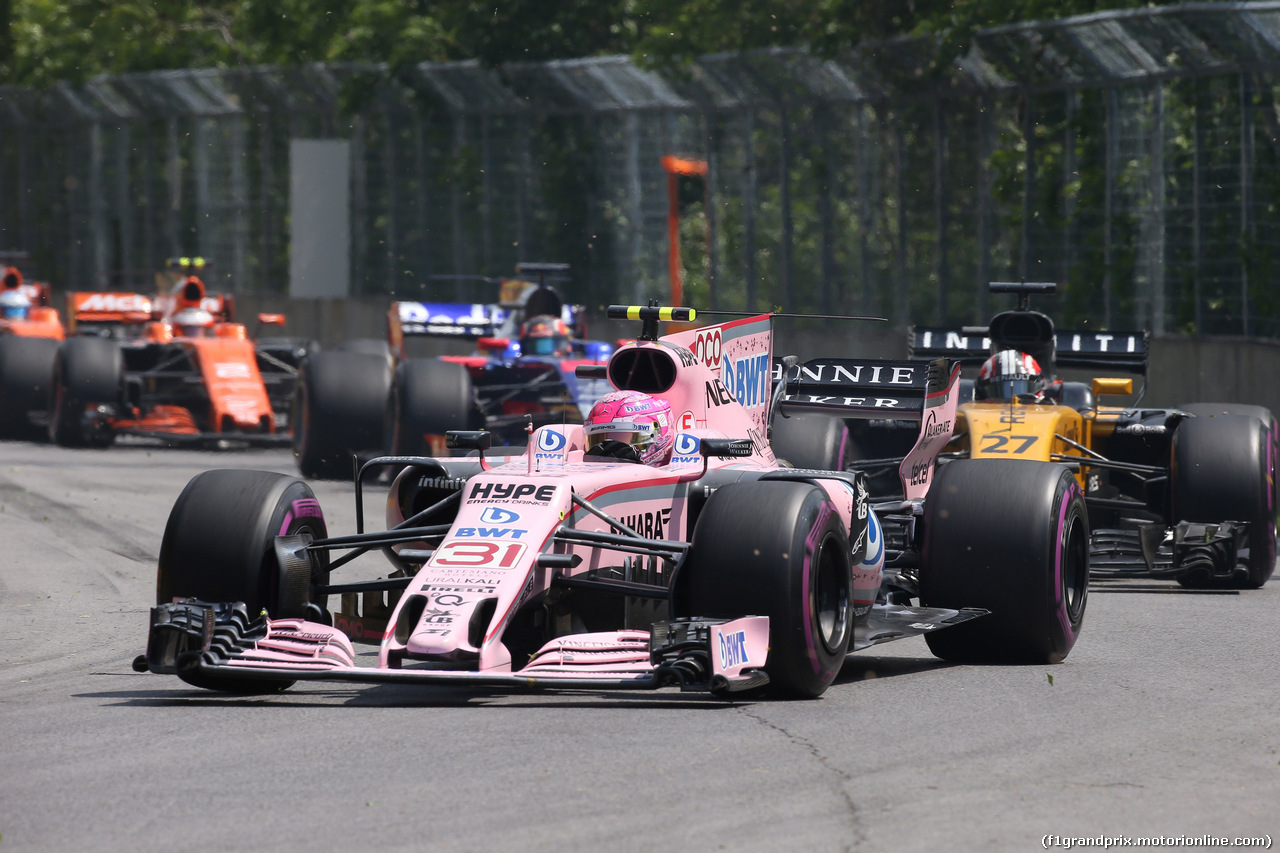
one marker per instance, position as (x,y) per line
(1007,375)
(14,305)
(192,322)
(544,335)
(630,425)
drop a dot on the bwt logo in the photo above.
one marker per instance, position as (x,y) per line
(748,379)
(497,515)
(687,445)
(551,441)
(733,650)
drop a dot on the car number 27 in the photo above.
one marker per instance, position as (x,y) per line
(1015,444)
(478,555)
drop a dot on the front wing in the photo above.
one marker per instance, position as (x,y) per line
(213,645)
(220,645)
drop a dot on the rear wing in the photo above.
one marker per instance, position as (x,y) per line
(1123,351)
(113,307)
(445,319)
(472,321)
(925,392)
(863,388)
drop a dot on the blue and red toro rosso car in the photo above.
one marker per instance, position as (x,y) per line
(529,344)
(658,544)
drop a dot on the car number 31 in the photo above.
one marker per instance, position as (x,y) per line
(475,555)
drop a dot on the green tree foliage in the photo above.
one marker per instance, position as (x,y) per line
(72,40)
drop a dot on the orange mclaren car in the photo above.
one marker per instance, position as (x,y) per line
(175,367)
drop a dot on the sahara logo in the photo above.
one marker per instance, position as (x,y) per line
(497,515)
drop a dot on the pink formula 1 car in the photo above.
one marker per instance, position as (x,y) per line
(709,566)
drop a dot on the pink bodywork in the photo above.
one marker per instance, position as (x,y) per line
(487,566)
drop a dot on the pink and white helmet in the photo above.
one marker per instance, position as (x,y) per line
(642,422)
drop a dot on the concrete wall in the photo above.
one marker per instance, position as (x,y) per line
(1183,370)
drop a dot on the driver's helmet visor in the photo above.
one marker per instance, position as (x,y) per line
(549,345)
(1011,389)
(638,435)
(13,312)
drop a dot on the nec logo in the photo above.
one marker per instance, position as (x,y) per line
(551,441)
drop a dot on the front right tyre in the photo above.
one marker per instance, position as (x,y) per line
(776,549)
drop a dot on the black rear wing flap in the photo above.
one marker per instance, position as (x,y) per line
(862,388)
(1091,350)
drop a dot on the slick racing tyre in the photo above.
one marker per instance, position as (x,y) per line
(1012,537)
(1223,469)
(428,398)
(780,550)
(812,441)
(86,372)
(25,367)
(338,407)
(219,546)
(219,542)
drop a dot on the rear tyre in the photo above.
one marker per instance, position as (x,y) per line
(1012,537)
(338,408)
(25,367)
(812,441)
(219,545)
(428,398)
(1224,470)
(86,372)
(780,550)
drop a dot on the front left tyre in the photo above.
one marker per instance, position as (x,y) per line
(1012,537)
(1223,469)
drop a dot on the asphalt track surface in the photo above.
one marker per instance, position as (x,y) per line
(1161,722)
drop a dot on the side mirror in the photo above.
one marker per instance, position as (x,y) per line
(493,344)
(1112,387)
(271,319)
(725,448)
(591,371)
(461,439)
